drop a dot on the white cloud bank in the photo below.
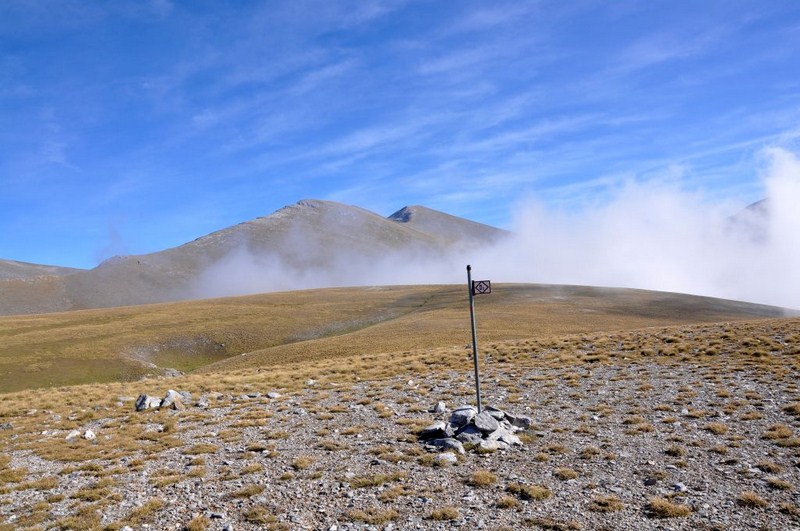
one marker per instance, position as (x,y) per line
(657,236)
(649,235)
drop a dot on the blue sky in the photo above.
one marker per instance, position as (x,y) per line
(128,127)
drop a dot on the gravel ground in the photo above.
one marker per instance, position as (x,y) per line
(613,437)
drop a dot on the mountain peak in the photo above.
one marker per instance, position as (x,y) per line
(311,243)
(444,226)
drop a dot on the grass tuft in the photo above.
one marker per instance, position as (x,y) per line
(606,504)
(749,498)
(662,508)
(482,478)
(529,492)
(373,515)
(444,513)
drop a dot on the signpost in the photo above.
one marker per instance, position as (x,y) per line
(478,287)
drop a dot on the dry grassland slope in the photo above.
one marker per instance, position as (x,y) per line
(127,343)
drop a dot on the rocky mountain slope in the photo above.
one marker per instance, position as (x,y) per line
(13,270)
(449,230)
(297,241)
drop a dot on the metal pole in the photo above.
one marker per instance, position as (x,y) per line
(474,336)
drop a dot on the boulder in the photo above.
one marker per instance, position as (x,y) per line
(273,395)
(469,434)
(436,430)
(89,435)
(463,415)
(147,402)
(170,398)
(520,421)
(503,435)
(440,407)
(74,434)
(448,444)
(492,446)
(485,422)
(497,413)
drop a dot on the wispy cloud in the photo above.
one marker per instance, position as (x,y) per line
(490,17)
(463,106)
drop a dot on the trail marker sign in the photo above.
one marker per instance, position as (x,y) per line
(478,287)
(481,287)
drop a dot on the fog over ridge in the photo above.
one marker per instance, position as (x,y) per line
(649,235)
(654,235)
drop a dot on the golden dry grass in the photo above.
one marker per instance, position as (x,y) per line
(663,508)
(529,492)
(445,513)
(749,498)
(116,344)
(606,504)
(482,478)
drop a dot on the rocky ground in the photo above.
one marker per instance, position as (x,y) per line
(631,446)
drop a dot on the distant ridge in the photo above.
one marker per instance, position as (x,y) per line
(14,270)
(308,236)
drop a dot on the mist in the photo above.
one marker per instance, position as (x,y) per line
(653,235)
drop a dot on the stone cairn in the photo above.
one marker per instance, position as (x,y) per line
(490,430)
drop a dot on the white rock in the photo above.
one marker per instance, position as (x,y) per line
(71,435)
(89,435)
(447,458)
(170,398)
(440,407)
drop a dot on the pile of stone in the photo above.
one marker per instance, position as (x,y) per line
(172,400)
(491,429)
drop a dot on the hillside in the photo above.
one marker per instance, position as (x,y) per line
(310,244)
(13,270)
(51,350)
